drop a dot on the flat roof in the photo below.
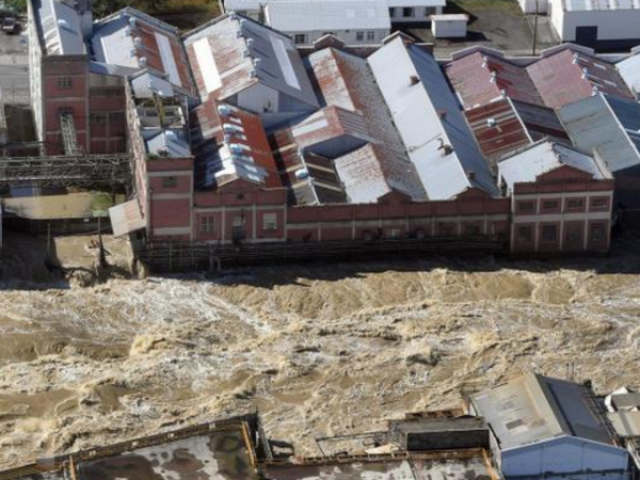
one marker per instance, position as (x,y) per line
(218,455)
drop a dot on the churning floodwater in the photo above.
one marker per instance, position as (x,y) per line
(319,350)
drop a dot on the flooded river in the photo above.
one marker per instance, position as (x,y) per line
(319,351)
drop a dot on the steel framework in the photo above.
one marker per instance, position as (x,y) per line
(67,171)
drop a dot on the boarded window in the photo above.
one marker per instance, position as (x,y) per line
(408,12)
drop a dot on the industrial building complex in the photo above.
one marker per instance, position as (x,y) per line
(238,138)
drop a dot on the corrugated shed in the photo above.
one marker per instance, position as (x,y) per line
(567,74)
(528,164)
(605,125)
(541,122)
(233,53)
(328,15)
(345,81)
(431,124)
(483,76)
(534,408)
(630,71)
(132,39)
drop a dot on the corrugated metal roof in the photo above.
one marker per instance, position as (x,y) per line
(328,15)
(230,143)
(534,408)
(60,27)
(528,164)
(566,74)
(432,127)
(169,143)
(232,5)
(630,71)
(345,81)
(126,218)
(416,3)
(606,125)
(233,53)
(132,39)
(506,125)
(600,5)
(482,76)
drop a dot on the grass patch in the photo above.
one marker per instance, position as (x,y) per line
(184,14)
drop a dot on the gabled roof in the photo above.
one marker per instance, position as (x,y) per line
(629,69)
(527,164)
(567,73)
(606,125)
(534,408)
(505,125)
(431,124)
(60,27)
(327,15)
(233,53)
(481,75)
(130,38)
(345,81)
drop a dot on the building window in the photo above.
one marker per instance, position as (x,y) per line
(359,36)
(371,36)
(471,230)
(65,82)
(573,233)
(574,205)
(117,118)
(550,206)
(598,232)
(527,207)
(408,12)
(169,182)
(428,11)
(524,234)
(300,38)
(392,12)
(599,204)
(98,118)
(549,234)
(394,233)
(207,225)
(270,221)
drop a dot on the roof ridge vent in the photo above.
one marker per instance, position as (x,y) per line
(491,122)
(585,72)
(576,58)
(485,61)
(494,76)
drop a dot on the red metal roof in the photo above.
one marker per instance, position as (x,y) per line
(569,74)
(503,126)
(208,136)
(481,77)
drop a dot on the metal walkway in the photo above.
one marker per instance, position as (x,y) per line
(67,171)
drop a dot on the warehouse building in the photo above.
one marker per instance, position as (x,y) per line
(548,428)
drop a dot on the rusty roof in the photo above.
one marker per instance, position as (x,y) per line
(230,143)
(569,73)
(506,125)
(345,81)
(233,53)
(484,75)
(130,38)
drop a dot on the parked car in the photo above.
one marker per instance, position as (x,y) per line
(9,25)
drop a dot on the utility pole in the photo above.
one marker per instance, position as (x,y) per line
(535,30)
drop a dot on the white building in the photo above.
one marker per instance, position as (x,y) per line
(597,23)
(629,69)
(355,22)
(398,12)
(548,428)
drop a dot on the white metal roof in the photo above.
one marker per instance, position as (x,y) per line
(240,5)
(328,15)
(534,408)
(543,157)
(629,69)
(416,3)
(594,5)
(61,27)
(428,117)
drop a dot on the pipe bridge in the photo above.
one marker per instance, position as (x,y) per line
(83,171)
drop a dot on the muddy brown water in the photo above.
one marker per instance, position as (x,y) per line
(319,351)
